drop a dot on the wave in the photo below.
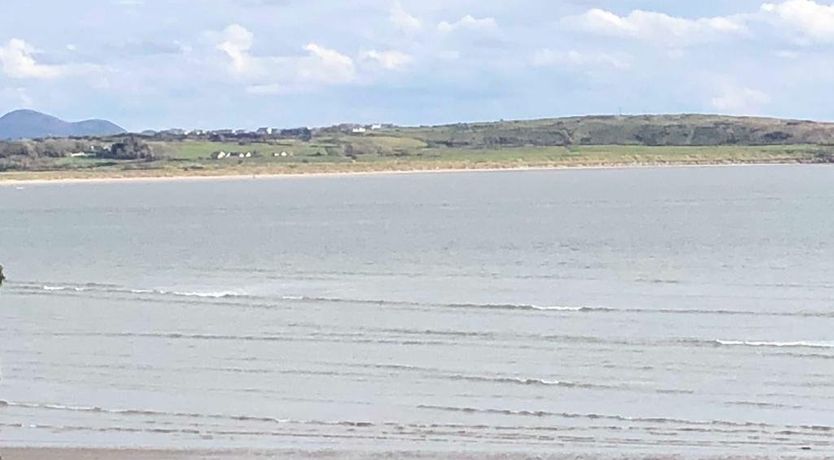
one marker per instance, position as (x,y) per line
(612,417)
(270,301)
(192,415)
(762,405)
(64,288)
(116,289)
(314,338)
(524,306)
(796,344)
(209,295)
(525,381)
(113,289)
(407,303)
(205,295)
(237,417)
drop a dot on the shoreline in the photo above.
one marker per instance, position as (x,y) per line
(19,179)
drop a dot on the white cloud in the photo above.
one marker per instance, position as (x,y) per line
(404,21)
(468,22)
(659,28)
(326,66)
(264,74)
(390,60)
(810,19)
(236,43)
(740,100)
(18,60)
(573,58)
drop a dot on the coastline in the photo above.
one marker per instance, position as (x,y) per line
(106,177)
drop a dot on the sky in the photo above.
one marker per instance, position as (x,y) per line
(155,64)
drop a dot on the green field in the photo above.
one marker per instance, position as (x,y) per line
(194,158)
(374,148)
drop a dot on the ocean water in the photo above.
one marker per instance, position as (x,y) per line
(624,311)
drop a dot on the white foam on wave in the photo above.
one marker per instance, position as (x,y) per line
(796,344)
(201,294)
(224,294)
(210,295)
(116,289)
(533,381)
(526,306)
(64,288)
(557,308)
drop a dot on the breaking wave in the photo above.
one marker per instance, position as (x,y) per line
(158,295)
(797,344)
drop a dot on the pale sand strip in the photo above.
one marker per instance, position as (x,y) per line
(233,176)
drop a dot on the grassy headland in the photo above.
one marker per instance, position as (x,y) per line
(572,142)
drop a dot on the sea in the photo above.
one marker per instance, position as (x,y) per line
(681,311)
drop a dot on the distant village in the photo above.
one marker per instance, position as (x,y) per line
(29,153)
(261,134)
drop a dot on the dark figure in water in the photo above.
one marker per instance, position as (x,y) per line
(2,278)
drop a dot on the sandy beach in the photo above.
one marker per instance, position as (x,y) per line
(18,180)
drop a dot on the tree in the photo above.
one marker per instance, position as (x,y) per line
(130,148)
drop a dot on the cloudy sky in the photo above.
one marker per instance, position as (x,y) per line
(250,63)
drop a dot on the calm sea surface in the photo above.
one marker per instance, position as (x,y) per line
(642,311)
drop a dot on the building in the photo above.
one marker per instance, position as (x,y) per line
(174,132)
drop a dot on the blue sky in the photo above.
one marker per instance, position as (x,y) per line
(251,63)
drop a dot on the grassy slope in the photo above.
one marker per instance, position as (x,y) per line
(190,161)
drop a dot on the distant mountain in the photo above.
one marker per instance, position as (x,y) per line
(29,124)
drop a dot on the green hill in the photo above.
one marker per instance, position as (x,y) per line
(648,130)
